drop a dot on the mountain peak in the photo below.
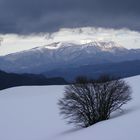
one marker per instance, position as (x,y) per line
(56,45)
(104,44)
(97,44)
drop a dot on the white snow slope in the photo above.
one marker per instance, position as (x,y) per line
(31,113)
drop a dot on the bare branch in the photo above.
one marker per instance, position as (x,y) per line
(87,102)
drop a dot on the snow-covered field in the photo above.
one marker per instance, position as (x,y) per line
(31,113)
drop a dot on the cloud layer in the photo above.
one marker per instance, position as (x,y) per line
(35,16)
(14,43)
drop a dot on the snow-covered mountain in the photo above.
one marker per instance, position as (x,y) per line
(65,54)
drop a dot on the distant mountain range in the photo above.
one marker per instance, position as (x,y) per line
(8,80)
(121,69)
(70,59)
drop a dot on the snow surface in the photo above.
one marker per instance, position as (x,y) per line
(31,113)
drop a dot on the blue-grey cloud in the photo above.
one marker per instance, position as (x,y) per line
(34,16)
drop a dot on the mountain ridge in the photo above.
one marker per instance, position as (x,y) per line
(122,70)
(65,55)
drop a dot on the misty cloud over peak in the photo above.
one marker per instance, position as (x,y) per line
(11,43)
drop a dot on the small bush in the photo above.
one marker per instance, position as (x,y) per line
(87,102)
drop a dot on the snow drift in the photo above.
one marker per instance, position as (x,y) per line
(31,113)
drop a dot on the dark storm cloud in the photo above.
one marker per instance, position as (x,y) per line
(34,16)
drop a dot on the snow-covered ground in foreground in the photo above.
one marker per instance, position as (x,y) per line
(31,113)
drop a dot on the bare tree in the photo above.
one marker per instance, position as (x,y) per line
(87,102)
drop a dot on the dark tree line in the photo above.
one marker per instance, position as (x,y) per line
(87,102)
(8,80)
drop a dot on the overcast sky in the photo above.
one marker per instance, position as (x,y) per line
(28,17)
